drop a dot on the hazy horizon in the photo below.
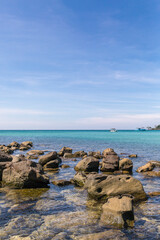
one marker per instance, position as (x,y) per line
(79,64)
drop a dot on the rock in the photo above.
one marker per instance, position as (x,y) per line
(156,163)
(18,158)
(4,157)
(2,167)
(64,150)
(152,173)
(14,144)
(65,166)
(95,154)
(106,235)
(27,143)
(7,150)
(35,152)
(108,151)
(68,155)
(79,179)
(153,194)
(88,164)
(32,157)
(126,164)
(24,174)
(52,164)
(103,186)
(133,156)
(62,183)
(48,157)
(118,211)
(110,163)
(147,167)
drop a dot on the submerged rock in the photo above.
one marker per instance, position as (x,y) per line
(118,211)
(88,164)
(65,166)
(62,182)
(24,174)
(103,186)
(133,156)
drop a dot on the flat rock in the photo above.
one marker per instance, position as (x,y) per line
(103,186)
(147,167)
(35,152)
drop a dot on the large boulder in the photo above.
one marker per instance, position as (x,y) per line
(118,211)
(48,157)
(110,163)
(25,145)
(14,144)
(88,164)
(126,165)
(18,158)
(24,174)
(103,186)
(4,157)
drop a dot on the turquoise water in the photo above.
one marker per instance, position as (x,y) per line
(67,210)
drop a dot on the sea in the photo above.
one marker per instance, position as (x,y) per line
(67,212)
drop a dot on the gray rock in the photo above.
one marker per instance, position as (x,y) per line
(24,174)
(48,157)
(52,164)
(110,163)
(103,186)
(4,157)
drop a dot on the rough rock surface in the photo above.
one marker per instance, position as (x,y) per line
(18,158)
(95,154)
(103,186)
(52,164)
(62,183)
(126,164)
(24,174)
(147,167)
(79,179)
(35,152)
(88,164)
(48,157)
(64,150)
(110,163)
(108,151)
(118,211)
(4,157)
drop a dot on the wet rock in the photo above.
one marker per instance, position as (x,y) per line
(4,157)
(64,150)
(110,163)
(153,194)
(52,164)
(24,174)
(35,152)
(118,211)
(18,158)
(95,154)
(152,173)
(133,156)
(62,183)
(103,186)
(147,167)
(65,166)
(7,150)
(79,179)
(27,143)
(14,144)
(88,164)
(47,158)
(156,163)
(126,164)
(106,235)
(68,155)
(108,151)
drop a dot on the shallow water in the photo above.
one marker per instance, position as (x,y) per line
(67,212)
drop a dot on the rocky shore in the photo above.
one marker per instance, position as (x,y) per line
(106,177)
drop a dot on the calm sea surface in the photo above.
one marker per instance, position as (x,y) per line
(66,212)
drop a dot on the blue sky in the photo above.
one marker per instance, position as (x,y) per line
(79,64)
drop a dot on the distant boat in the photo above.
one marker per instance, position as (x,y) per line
(113,130)
(141,129)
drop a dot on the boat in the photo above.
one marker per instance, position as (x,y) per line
(113,130)
(141,129)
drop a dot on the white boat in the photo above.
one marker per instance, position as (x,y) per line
(113,130)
